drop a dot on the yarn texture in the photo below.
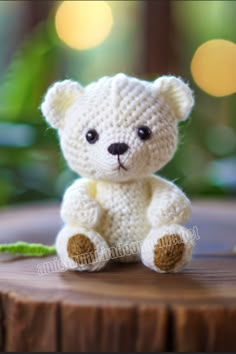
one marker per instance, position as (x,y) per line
(116,133)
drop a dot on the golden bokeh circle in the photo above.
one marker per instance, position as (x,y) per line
(83,24)
(213,67)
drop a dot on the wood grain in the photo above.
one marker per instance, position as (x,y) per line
(126,307)
(79,328)
(152,328)
(205,329)
(30,326)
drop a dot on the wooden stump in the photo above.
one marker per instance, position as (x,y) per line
(125,307)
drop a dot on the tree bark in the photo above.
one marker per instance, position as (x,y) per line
(158,38)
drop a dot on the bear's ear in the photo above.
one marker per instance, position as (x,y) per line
(59,98)
(177,94)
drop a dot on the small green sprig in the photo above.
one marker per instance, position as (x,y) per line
(28,249)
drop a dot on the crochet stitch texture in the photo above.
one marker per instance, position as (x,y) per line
(116,133)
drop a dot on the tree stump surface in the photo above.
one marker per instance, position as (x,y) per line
(126,307)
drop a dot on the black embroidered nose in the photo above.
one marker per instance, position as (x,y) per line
(118,148)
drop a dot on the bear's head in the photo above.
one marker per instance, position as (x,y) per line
(118,128)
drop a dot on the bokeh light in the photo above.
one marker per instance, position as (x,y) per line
(213,67)
(221,140)
(83,24)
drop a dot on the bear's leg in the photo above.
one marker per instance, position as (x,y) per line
(167,249)
(82,249)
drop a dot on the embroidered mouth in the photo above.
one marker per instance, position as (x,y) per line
(121,166)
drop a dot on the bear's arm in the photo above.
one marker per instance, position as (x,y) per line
(79,206)
(168,204)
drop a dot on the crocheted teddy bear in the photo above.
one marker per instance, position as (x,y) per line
(115,133)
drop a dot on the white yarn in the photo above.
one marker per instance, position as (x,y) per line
(79,206)
(168,204)
(102,249)
(120,205)
(156,234)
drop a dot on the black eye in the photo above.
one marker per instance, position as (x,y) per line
(92,136)
(144,133)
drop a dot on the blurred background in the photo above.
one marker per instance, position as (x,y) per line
(45,41)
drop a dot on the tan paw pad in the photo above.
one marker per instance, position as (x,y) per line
(168,252)
(81,249)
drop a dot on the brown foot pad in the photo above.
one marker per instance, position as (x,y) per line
(81,249)
(168,252)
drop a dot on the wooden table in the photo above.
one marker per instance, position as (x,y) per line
(125,307)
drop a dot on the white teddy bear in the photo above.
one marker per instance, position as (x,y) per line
(116,133)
